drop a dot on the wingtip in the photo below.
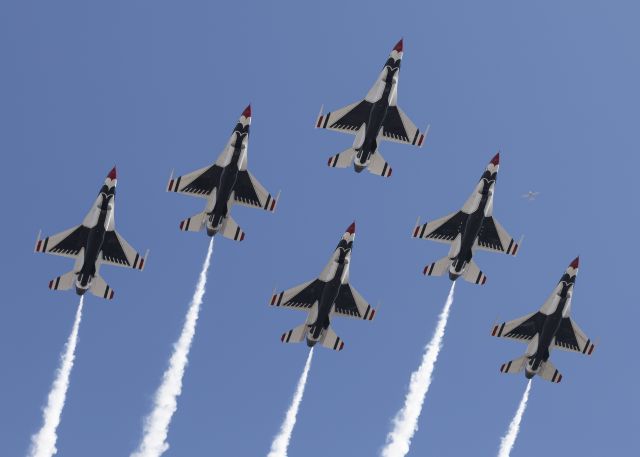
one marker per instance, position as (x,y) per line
(247,111)
(352,228)
(112,173)
(399,45)
(496,159)
(575,263)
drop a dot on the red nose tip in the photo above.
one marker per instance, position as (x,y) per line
(496,159)
(112,173)
(247,111)
(575,262)
(352,228)
(398,46)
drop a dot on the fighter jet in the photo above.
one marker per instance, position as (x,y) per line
(472,228)
(91,244)
(323,298)
(531,195)
(372,120)
(223,184)
(549,328)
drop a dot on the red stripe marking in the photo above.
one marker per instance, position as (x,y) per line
(515,249)
(559,378)
(415,232)
(424,272)
(329,161)
(38,246)
(111,295)
(273,205)
(484,280)
(319,122)
(141,263)
(420,140)
(282,337)
(495,329)
(591,349)
(242,236)
(51,284)
(273,299)
(390,171)
(181,224)
(170,185)
(373,313)
(341,345)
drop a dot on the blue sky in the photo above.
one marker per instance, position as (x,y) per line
(151,86)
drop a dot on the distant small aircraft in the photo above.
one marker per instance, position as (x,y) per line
(473,227)
(325,297)
(531,195)
(372,120)
(549,328)
(91,244)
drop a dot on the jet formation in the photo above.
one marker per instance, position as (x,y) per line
(549,328)
(327,296)
(372,120)
(224,184)
(91,244)
(471,228)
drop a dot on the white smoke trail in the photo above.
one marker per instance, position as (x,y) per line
(280,443)
(156,426)
(507,442)
(405,424)
(43,443)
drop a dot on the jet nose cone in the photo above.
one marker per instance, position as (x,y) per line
(496,159)
(575,262)
(247,111)
(112,173)
(352,228)
(398,46)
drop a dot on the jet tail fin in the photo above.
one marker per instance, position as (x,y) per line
(379,166)
(332,341)
(514,366)
(295,335)
(194,223)
(437,268)
(64,282)
(343,159)
(473,274)
(549,372)
(101,289)
(232,230)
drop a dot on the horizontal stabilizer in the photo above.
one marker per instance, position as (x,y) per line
(437,268)
(295,335)
(549,372)
(379,166)
(231,230)
(332,341)
(343,159)
(193,223)
(515,366)
(101,289)
(473,274)
(64,282)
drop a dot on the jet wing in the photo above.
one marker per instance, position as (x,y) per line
(444,230)
(302,297)
(521,329)
(350,303)
(199,183)
(116,251)
(398,127)
(67,244)
(571,338)
(249,192)
(348,119)
(493,237)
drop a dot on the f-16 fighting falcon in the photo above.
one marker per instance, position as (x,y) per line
(472,227)
(327,296)
(224,183)
(372,120)
(549,328)
(91,244)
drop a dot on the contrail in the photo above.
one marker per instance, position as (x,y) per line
(405,424)
(507,442)
(280,443)
(43,443)
(156,425)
